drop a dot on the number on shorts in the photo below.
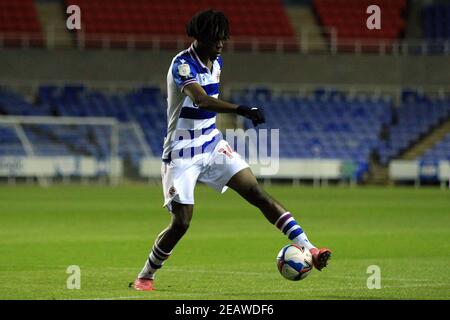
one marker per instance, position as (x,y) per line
(227,151)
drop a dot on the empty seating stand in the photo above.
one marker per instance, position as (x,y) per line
(439,151)
(155,23)
(327,124)
(416,115)
(330,124)
(348,18)
(436,27)
(144,106)
(19,25)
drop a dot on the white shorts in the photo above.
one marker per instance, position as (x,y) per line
(214,168)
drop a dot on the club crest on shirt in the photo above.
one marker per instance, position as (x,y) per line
(184,70)
(172,191)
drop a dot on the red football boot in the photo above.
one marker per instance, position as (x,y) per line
(142,284)
(320,257)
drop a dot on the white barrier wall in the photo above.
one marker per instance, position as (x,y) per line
(299,169)
(404,170)
(444,171)
(409,170)
(284,168)
(150,168)
(58,166)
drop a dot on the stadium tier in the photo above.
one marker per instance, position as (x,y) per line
(327,124)
(19,23)
(143,20)
(335,126)
(349,19)
(144,106)
(416,115)
(256,25)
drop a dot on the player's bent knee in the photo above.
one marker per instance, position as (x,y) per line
(182,215)
(180,226)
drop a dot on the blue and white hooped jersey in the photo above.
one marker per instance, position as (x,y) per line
(190,128)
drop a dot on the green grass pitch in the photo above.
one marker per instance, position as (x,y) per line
(229,251)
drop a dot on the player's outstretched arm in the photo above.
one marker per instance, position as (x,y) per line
(202,100)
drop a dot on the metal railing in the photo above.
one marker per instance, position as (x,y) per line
(317,40)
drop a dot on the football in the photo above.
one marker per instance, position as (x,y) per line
(294,262)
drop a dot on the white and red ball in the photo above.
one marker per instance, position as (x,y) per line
(294,262)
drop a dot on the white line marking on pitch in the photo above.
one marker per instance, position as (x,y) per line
(172,294)
(261,274)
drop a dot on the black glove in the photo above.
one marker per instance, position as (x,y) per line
(255,114)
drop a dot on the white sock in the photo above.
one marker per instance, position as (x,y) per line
(147,271)
(287,224)
(154,262)
(302,240)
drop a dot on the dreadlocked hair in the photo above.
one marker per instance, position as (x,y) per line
(208,26)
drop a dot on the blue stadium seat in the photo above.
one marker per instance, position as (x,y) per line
(439,151)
